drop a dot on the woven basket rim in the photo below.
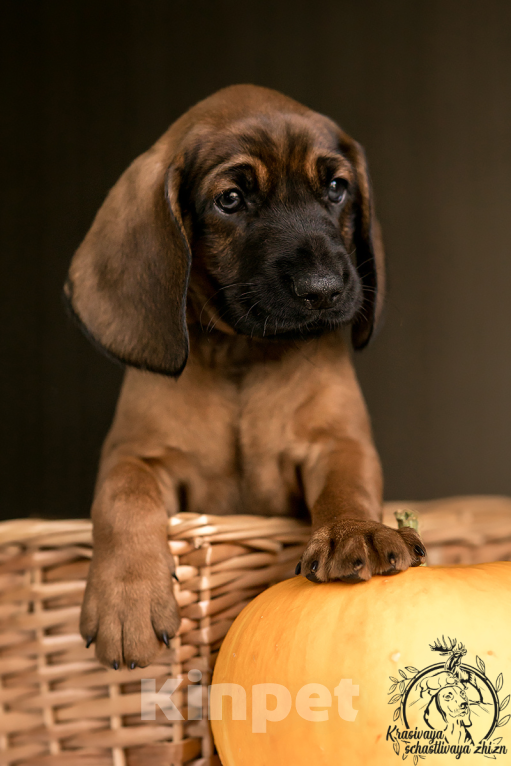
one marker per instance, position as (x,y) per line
(188,526)
(182,525)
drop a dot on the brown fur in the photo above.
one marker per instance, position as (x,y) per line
(209,420)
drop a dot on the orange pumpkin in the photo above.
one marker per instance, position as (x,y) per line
(415,666)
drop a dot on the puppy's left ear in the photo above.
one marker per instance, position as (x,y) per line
(370,256)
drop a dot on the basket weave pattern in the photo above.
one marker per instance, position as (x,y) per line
(59,707)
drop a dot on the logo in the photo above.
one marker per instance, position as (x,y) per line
(448,707)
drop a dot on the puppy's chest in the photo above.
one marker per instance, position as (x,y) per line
(244,448)
(236,419)
(267,457)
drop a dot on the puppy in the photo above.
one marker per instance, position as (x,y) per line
(221,270)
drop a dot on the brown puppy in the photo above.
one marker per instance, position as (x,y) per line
(220,270)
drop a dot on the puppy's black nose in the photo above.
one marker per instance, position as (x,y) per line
(318,291)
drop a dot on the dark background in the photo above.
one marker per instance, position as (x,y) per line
(424,86)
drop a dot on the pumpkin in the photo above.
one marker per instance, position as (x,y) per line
(416,666)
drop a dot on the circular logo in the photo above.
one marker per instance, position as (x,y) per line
(447,707)
(461,703)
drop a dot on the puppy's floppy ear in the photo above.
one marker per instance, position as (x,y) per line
(128,280)
(368,246)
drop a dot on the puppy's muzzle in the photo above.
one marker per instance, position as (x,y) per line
(318,290)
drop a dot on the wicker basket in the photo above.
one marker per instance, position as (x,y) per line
(59,707)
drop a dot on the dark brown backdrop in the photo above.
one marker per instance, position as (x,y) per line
(425,86)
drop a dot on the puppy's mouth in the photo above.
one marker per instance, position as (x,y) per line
(275,314)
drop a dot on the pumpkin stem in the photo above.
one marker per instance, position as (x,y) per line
(406,518)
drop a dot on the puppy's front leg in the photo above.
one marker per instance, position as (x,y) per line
(129,607)
(349,542)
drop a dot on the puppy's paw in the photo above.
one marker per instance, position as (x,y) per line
(129,609)
(352,550)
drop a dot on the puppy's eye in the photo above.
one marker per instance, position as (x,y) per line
(337,190)
(230,201)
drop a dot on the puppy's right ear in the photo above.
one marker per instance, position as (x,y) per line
(128,280)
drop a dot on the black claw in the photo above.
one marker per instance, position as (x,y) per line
(419,550)
(174,575)
(298,568)
(165,638)
(89,641)
(133,665)
(392,559)
(115,665)
(314,566)
(358,564)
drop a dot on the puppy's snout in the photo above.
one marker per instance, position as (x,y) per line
(318,291)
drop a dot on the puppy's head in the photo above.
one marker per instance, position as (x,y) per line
(268,206)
